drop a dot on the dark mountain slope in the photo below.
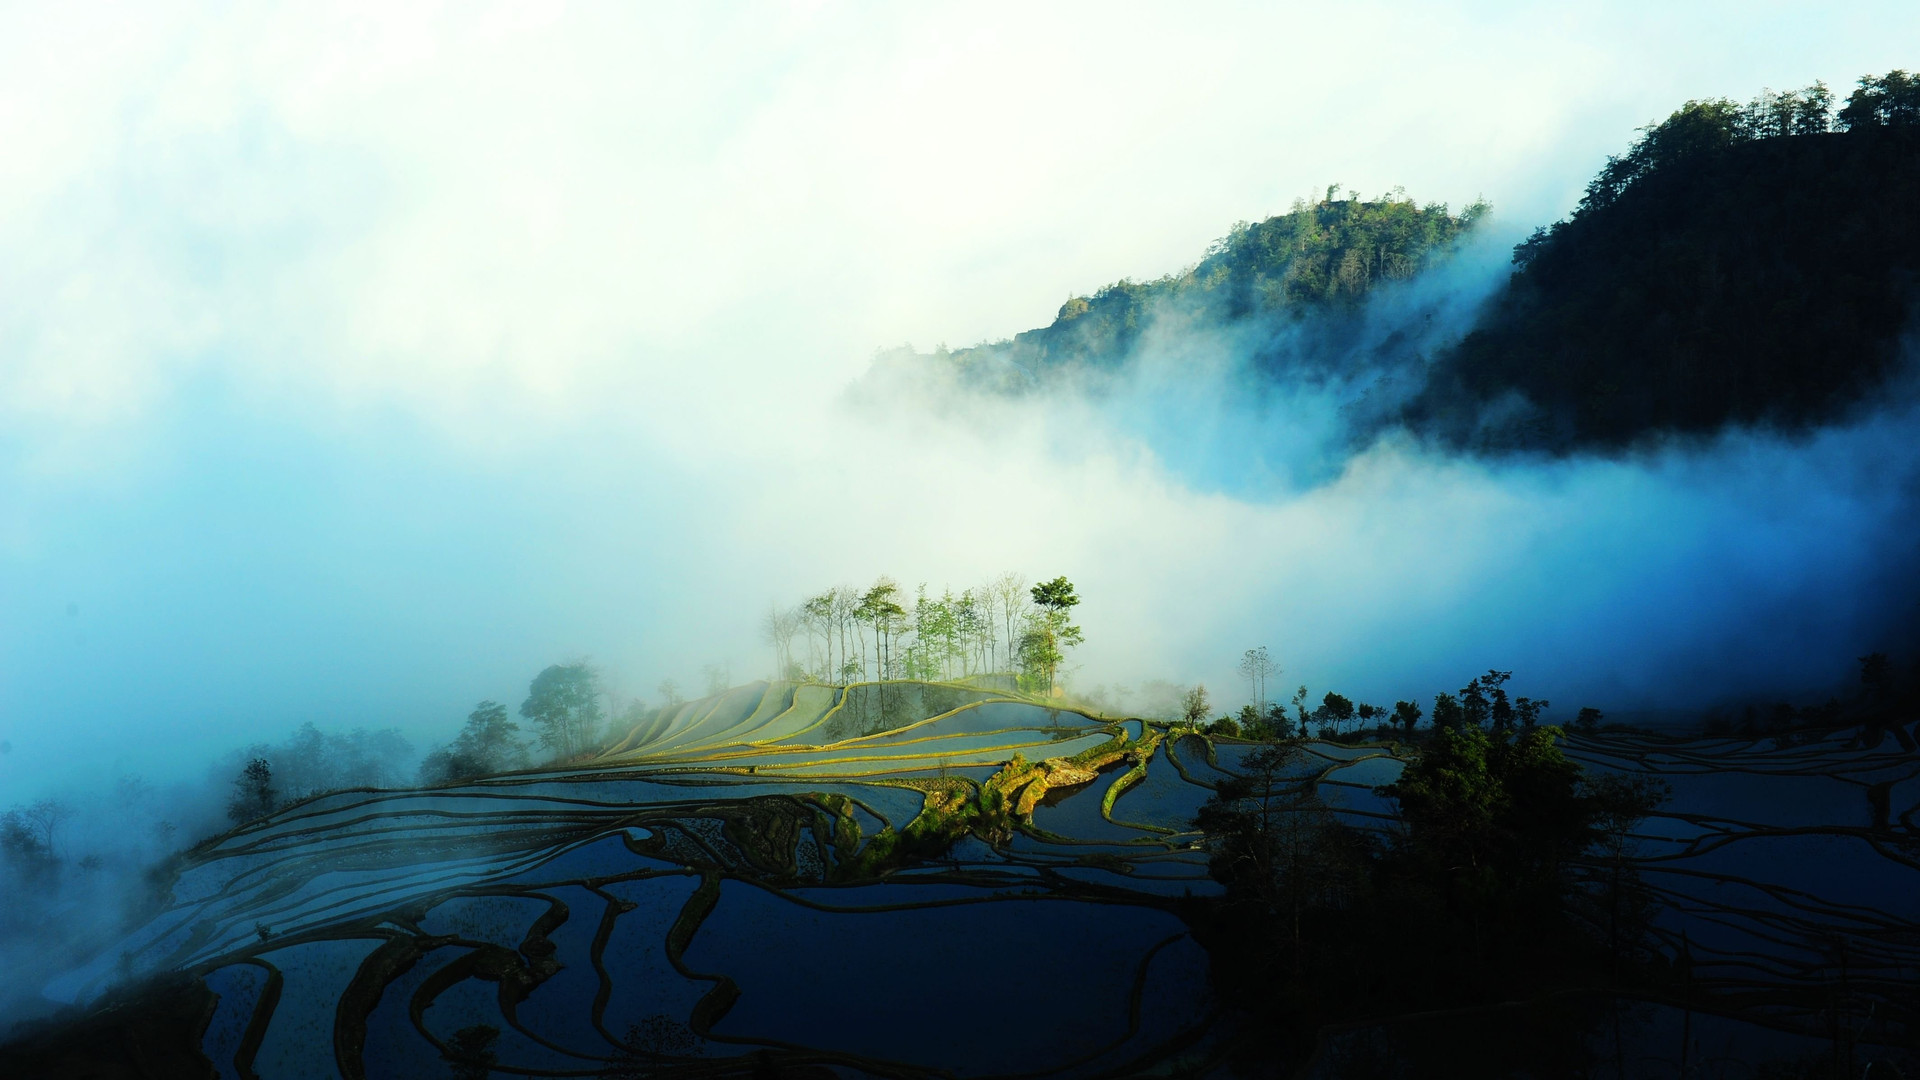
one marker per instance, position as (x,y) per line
(1741,264)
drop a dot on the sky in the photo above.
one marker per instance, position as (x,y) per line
(358,361)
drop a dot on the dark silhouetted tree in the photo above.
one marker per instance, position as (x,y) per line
(254,794)
(1335,710)
(1499,709)
(489,743)
(1273,841)
(1474,707)
(24,848)
(1886,101)
(1528,711)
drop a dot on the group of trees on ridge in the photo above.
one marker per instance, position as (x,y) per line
(563,708)
(1323,257)
(1483,703)
(1002,627)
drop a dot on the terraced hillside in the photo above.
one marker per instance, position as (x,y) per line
(911,880)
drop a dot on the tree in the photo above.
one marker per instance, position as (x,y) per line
(563,703)
(880,610)
(1474,706)
(819,611)
(1040,655)
(1494,817)
(669,692)
(1275,724)
(778,630)
(313,761)
(1258,666)
(1447,713)
(1194,706)
(969,616)
(1056,600)
(1528,711)
(254,794)
(1009,591)
(1891,100)
(1055,596)
(1335,709)
(1055,632)
(46,816)
(1620,803)
(1273,840)
(1406,714)
(1499,709)
(23,845)
(488,744)
(1588,720)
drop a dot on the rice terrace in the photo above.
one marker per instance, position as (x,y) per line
(790,877)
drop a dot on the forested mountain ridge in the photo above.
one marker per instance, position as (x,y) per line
(1747,264)
(1740,264)
(1322,258)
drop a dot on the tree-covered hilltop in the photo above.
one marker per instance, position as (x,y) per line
(1739,264)
(1321,257)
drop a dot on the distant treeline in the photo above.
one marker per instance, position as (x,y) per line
(1322,258)
(1483,703)
(848,634)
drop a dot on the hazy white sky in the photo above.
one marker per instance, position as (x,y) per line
(357,360)
(495,206)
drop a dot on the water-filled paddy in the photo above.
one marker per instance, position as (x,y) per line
(802,972)
(300,1036)
(498,919)
(1078,815)
(395,1049)
(553,1010)
(861,980)
(644,982)
(1163,797)
(238,987)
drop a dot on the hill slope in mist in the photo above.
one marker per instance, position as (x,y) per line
(1309,271)
(1739,265)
